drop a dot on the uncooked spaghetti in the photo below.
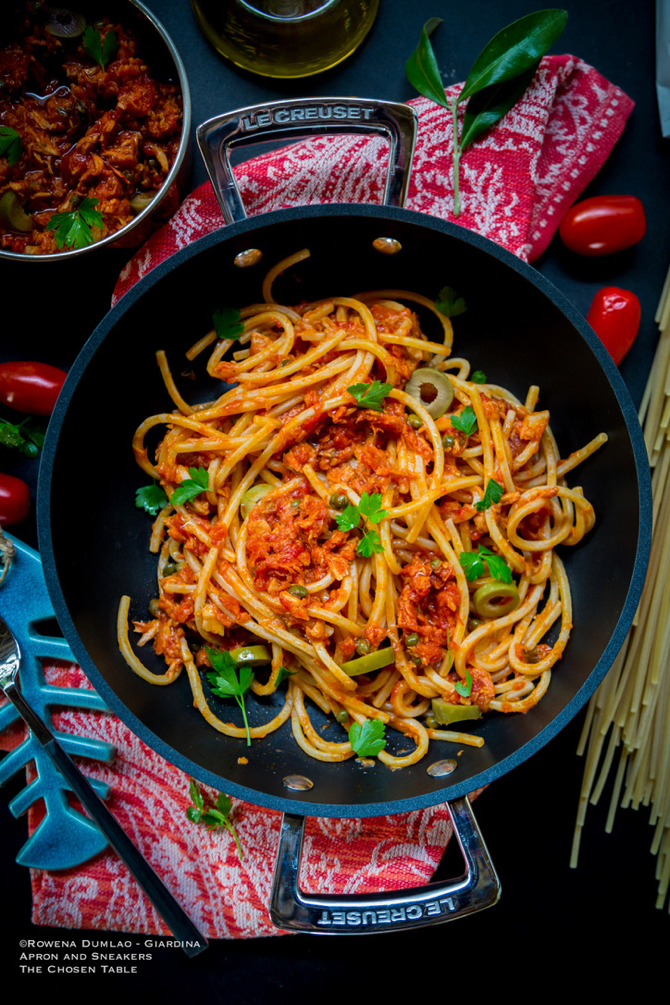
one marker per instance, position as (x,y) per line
(364,516)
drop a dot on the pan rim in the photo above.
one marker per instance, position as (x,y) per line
(296,801)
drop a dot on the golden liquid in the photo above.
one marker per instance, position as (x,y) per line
(285,38)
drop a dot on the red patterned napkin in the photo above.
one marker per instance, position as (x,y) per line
(516,183)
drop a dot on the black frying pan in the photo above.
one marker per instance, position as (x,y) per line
(517,328)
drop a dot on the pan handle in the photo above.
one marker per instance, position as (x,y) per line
(298,118)
(361,914)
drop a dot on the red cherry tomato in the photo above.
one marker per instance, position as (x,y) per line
(614,316)
(30,387)
(603,225)
(14,500)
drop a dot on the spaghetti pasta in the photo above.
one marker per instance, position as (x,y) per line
(398,565)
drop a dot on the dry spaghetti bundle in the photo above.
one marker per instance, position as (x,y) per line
(361,523)
(632,705)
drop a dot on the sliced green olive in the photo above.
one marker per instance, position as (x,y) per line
(445,713)
(63,23)
(373,661)
(494,600)
(251,656)
(141,200)
(13,214)
(432,388)
(251,497)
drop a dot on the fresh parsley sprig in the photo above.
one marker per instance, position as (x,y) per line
(478,377)
(191,487)
(501,73)
(448,302)
(27,436)
(228,323)
(493,493)
(367,740)
(370,395)
(464,688)
(212,816)
(99,49)
(370,509)
(466,422)
(151,498)
(473,565)
(74,227)
(11,146)
(229,680)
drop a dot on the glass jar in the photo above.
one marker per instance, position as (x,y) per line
(285,38)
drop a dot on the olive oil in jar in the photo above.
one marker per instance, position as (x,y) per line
(285,38)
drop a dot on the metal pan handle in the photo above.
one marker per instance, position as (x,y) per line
(299,118)
(361,914)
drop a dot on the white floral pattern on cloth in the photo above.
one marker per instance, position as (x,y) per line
(516,181)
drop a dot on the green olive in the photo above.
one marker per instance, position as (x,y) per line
(432,388)
(298,591)
(494,600)
(13,214)
(446,713)
(140,201)
(251,656)
(372,661)
(252,496)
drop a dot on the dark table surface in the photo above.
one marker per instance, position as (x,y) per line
(550,916)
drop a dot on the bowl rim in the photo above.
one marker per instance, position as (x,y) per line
(59,256)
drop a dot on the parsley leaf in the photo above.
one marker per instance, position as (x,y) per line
(370,395)
(151,498)
(478,377)
(493,494)
(367,740)
(227,323)
(212,816)
(74,228)
(466,421)
(99,50)
(498,567)
(11,146)
(370,509)
(228,680)
(473,565)
(465,689)
(190,487)
(369,544)
(283,674)
(348,518)
(449,303)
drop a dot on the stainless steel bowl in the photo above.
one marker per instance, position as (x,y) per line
(165,61)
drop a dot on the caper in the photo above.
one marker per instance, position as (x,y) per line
(170,568)
(494,600)
(298,591)
(430,721)
(432,388)
(415,422)
(448,441)
(339,500)
(140,201)
(412,639)
(363,647)
(474,623)
(435,564)
(154,607)
(342,715)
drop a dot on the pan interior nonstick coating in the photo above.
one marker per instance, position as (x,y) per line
(95,547)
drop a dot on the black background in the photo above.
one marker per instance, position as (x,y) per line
(552,922)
